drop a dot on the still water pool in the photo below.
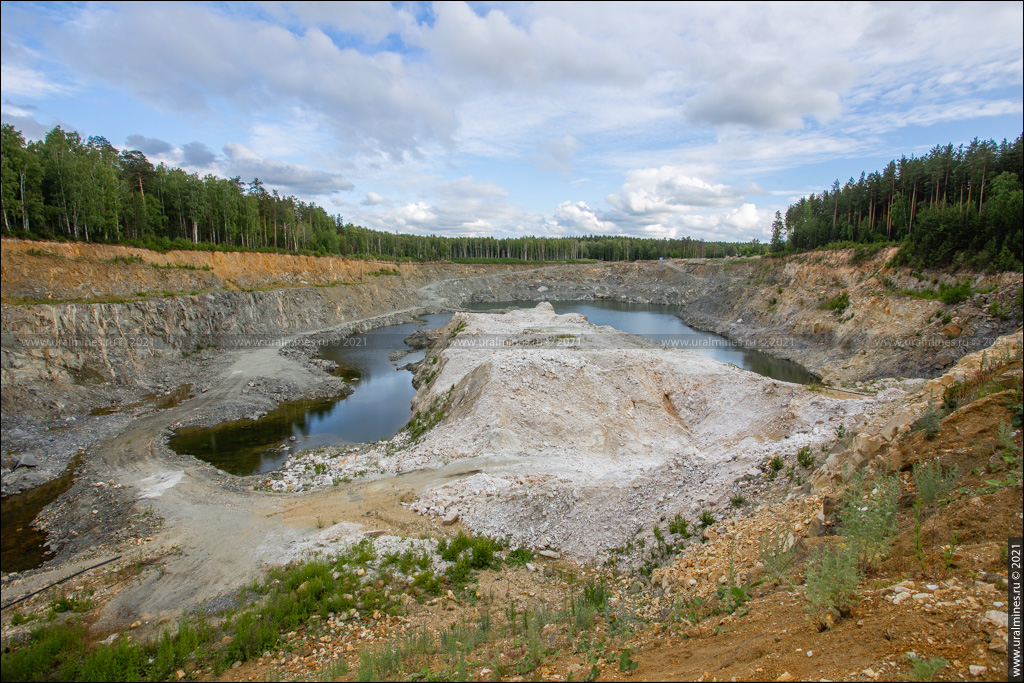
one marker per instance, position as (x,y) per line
(379,406)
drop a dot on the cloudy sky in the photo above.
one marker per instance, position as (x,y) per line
(661,120)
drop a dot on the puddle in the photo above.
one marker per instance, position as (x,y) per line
(23,547)
(153,400)
(245,447)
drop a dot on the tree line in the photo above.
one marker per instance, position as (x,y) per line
(64,187)
(953,206)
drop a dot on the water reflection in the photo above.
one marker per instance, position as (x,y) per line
(662,324)
(379,406)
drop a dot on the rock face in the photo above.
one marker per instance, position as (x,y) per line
(774,305)
(875,436)
(578,436)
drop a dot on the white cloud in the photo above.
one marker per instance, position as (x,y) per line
(148,146)
(667,190)
(497,51)
(576,218)
(667,109)
(196,55)
(764,96)
(23,81)
(373,199)
(291,178)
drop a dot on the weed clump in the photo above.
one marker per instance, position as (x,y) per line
(929,421)
(925,669)
(869,516)
(679,526)
(831,582)
(836,304)
(934,480)
(805,458)
(776,552)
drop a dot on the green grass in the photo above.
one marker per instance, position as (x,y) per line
(679,526)
(805,457)
(284,600)
(425,420)
(947,294)
(929,422)
(836,304)
(179,266)
(775,552)
(519,557)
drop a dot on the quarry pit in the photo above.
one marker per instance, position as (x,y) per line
(565,437)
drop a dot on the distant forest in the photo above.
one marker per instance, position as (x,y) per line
(64,187)
(953,206)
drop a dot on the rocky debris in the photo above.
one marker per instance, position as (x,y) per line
(581,449)
(731,554)
(880,335)
(877,435)
(321,468)
(421,339)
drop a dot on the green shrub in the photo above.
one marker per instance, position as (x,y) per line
(954,294)
(805,458)
(706,519)
(519,557)
(933,480)
(929,421)
(836,304)
(868,516)
(679,526)
(831,582)
(775,551)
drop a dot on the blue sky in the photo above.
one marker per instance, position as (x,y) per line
(661,119)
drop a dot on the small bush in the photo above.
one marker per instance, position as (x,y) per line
(738,500)
(869,516)
(831,584)
(519,557)
(805,458)
(679,526)
(775,465)
(954,294)
(775,551)
(933,480)
(127,260)
(929,421)
(706,519)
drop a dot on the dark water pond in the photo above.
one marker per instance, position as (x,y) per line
(23,547)
(377,409)
(379,406)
